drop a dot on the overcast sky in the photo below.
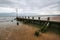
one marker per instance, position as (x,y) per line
(34,7)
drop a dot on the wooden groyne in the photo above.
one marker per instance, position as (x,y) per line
(45,22)
(55,19)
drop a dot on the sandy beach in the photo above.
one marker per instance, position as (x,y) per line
(11,31)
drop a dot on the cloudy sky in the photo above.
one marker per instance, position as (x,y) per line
(31,7)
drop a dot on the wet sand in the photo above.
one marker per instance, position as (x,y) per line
(10,31)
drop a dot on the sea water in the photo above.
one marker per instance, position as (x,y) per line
(6,19)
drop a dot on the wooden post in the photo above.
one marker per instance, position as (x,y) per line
(38,18)
(17,23)
(28,17)
(48,18)
(25,17)
(46,24)
(32,17)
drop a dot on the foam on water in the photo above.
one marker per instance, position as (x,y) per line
(6,19)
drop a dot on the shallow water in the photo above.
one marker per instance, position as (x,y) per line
(6,19)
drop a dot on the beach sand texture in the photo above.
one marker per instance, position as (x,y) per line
(11,31)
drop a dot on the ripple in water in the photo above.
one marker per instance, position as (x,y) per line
(6,19)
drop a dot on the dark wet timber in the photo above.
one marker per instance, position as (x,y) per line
(45,22)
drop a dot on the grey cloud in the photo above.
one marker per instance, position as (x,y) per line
(6,3)
(27,3)
(33,6)
(41,3)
